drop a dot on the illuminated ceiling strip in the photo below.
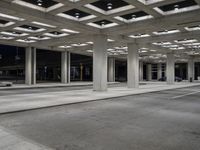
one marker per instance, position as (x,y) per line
(7,24)
(76,19)
(102,26)
(56,36)
(125,8)
(11,17)
(29,30)
(134,19)
(176,11)
(43,24)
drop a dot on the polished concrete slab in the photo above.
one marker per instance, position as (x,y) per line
(27,101)
(152,121)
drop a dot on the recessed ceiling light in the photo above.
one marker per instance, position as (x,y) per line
(39,2)
(109,6)
(77,15)
(176,7)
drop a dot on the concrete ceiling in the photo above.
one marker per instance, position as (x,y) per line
(158,26)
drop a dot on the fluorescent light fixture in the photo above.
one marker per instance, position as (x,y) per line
(195,28)
(89,51)
(11,17)
(166,32)
(90,42)
(6,38)
(7,24)
(170,46)
(25,41)
(161,43)
(65,46)
(13,34)
(29,30)
(191,44)
(110,49)
(139,36)
(152,50)
(102,26)
(134,19)
(143,51)
(177,48)
(110,40)
(180,10)
(186,41)
(79,44)
(69,31)
(75,18)
(148,2)
(38,38)
(43,24)
(56,35)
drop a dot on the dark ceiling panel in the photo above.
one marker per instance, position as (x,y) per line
(134,15)
(44,3)
(29,27)
(76,12)
(55,32)
(182,4)
(3,21)
(103,22)
(102,4)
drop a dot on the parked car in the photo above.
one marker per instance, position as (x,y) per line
(162,79)
(178,79)
(6,83)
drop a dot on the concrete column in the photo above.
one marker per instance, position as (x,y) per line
(170,68)
(133,65)
(28,66)
(111,69)
(65,67)
(159,71)
(68,67)
(191,69)
(149,72)
(34,51)
(100,63)
(141,70)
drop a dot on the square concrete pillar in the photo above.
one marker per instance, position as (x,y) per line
(100,63)
(149,72)
(65,67)
(111,69)
(141,70)
(133,65)
(159,71)
(34,51)
(191,69)
(170,68)
(30,66)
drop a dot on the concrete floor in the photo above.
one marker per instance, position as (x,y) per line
(166,120)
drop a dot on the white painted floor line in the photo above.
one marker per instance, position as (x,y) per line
(179,96)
